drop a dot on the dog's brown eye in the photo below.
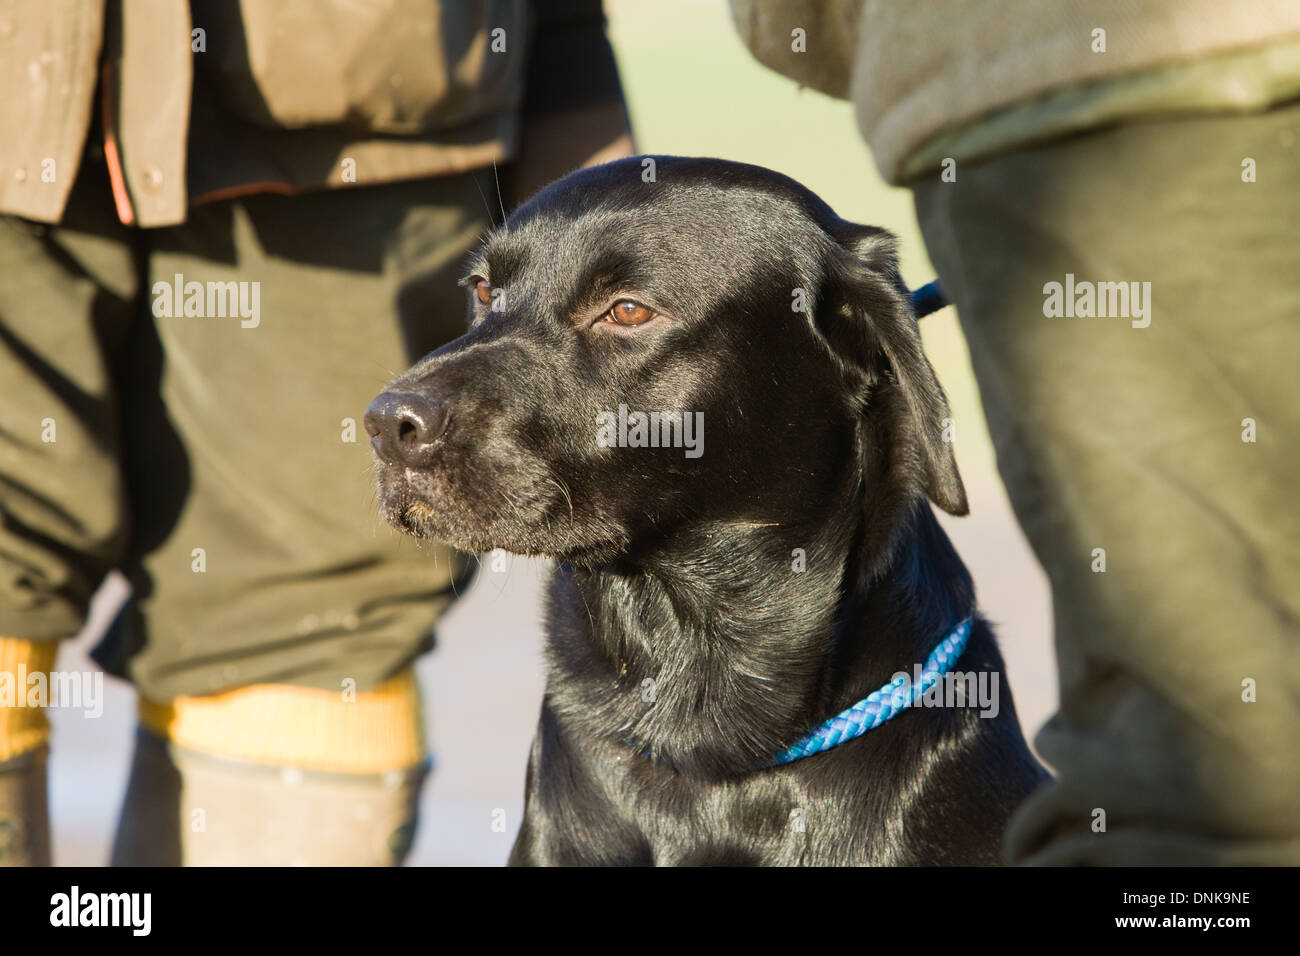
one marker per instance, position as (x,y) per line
(483,291)
(627,312)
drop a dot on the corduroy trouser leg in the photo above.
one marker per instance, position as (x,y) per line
(1152,468)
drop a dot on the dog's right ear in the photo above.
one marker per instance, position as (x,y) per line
(865,315)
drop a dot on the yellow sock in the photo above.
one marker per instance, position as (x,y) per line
(300,727)
(22,728)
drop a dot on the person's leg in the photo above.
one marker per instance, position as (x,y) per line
(24,736)
(65,307)
(274,775)
(1153,470)
(275,574)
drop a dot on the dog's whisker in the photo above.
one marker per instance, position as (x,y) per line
(564,490)
(505,227)
(487,207)
(514,505)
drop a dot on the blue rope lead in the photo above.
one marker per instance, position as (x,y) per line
(929,298)
(879,706)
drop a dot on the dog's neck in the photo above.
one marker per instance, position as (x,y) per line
(737,638)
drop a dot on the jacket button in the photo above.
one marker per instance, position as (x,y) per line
(153,177)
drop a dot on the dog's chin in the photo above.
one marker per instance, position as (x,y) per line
(414,515)
(417,517)
(421,520)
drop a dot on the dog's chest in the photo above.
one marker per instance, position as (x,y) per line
(630,810)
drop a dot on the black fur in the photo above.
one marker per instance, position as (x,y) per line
(822,433)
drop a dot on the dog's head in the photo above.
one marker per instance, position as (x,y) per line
(663,343)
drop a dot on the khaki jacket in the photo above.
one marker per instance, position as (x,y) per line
(917,69)
(213,98)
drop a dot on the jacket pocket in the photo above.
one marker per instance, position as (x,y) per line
(401,67)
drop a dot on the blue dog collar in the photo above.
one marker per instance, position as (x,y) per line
(881,705)
(929,298)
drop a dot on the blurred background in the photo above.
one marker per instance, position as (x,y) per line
(692,90)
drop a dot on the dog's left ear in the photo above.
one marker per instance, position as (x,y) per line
(867,319)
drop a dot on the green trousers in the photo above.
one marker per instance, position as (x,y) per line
(210,442)
(1151,460)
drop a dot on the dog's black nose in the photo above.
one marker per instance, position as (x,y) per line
(403,427)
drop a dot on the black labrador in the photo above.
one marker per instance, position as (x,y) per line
(714,602)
